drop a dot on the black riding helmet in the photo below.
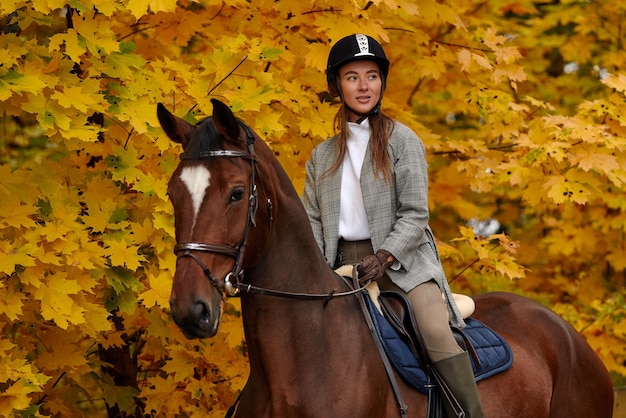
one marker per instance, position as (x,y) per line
(353,48)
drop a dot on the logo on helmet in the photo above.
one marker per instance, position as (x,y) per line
(364,46)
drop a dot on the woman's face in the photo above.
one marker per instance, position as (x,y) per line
(361,86)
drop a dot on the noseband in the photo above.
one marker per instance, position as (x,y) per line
(230,285)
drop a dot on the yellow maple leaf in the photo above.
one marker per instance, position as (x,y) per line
(16,82)
(96,318)
(62,283)
(434,11)
(11,303)
(123,254)
(57,306)
(233,328)
(97,34)
(609,349)
(616,81)
(74,97)
(491,39)
(139,112)
(467,59)
(138,8)
(514,173)
(13,254)
(316,55)
(11,368)
(142,232)
(319,124)
(407,8)
(507,54)
(507,266)
(561,189)
(162,5)
(181,363)
(14,398)
(619,329)
(15,213)
(10,56)
(268,122)
(159,392)
(49,113)
(506,243)
(159,292)
(108,7)
(17,183)
(84,253)
(164,220)
(74,48)
(124,162)
(62,351)
(100,212)
(597,159)
(433,67)
(617,259)
(251,95)
(514,73)
(156,80)
(84,133)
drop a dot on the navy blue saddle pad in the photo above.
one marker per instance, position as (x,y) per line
(494,353)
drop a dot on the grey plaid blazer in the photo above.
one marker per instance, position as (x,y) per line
(397,213)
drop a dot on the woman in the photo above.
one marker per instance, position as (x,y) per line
(366,195)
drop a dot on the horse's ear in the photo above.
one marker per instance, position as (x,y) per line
(225,121)
(177,129)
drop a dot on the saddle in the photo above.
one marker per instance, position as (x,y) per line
(399,334)
(396,335)
(397,310)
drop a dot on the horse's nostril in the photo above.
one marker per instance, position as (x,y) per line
(199,310)
(197,321)
(202,314)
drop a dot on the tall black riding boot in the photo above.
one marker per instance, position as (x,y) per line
(458,374)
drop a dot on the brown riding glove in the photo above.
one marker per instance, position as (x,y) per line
(372,267)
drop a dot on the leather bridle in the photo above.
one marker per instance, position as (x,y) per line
(230,284)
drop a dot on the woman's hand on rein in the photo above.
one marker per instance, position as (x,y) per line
(372,267)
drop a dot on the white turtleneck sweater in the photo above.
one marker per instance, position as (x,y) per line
(353,225)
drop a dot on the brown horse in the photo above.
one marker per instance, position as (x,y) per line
(236,210)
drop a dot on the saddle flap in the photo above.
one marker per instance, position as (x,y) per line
(397,309)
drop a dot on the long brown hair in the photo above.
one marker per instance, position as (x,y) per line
(381,127)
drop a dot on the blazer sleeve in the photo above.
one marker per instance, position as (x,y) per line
(411,189)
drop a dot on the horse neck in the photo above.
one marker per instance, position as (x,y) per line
(292,262)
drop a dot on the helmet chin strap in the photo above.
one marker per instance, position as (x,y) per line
(363,116)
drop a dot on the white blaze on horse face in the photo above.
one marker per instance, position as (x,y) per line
(196,178)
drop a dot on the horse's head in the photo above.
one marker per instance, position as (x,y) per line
(214,193)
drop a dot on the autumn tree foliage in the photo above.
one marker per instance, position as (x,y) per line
(520,104)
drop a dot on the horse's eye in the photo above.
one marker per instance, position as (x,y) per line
(237,194)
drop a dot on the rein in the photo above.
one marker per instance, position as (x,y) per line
(326,297)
